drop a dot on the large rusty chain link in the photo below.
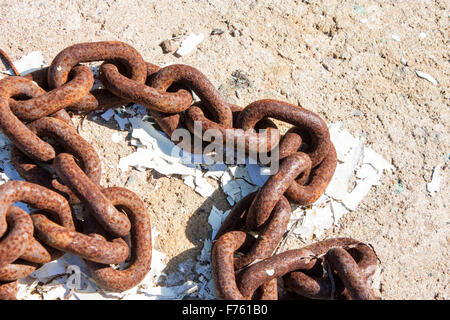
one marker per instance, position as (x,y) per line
(33,116)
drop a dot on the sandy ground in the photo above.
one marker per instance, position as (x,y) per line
(339,60)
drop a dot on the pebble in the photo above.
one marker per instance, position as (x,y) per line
(357,113)
(240,79)
(217,32)
(395,37)
(167,46)
(403,60)
(426,76)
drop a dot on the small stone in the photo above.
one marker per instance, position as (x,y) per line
(238,94)
(422,35)
(235,33)
(357,113)
(217,32)
(395,37)
(403,60)
(240,79)
(167,46)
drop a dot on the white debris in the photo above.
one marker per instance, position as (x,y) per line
(216,171)
(29,63)
(270,272)
(155,151)
(116,137)
(122,122)
(108,114)
(189,44)
(202,186)
(395,37)
(316,221)
(49,270)
(189,181)
(357,164)
(403,61)
(426,76)
(349,151)
(216,218)
(422,35)
(257,174)
(435,184)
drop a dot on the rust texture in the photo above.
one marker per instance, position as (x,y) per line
(33,115)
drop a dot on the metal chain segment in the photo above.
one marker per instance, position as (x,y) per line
(117,51)
(141,244)
(308,161)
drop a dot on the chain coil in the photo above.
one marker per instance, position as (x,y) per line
(33,110)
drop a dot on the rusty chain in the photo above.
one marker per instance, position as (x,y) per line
(33,116)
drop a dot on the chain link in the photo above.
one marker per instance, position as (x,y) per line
(33,108)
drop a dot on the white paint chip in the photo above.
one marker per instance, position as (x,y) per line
(435,184)
(426,76)
(108,114)
(395,37)
(29,63)
(189,44)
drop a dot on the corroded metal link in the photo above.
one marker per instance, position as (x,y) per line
(117,51)
(18,133)
(318,180)
(37,197)
(38,253)
(222,262)
(141,244)
(242,263)
(307,188)
(16,241)
(274,188)
(249,140)
(17,270)
(29,169)
(72,142)
(318,286)
(168,102)
(294,115)
(98,99)
(101,99)
(13,128)
(189,76)
(85,246)
(344,265)
(167,121)
(276,266)
(7,59)
(50,102)
(366,258)
(90,194)
(270,233)
(8,290)
(309,286)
